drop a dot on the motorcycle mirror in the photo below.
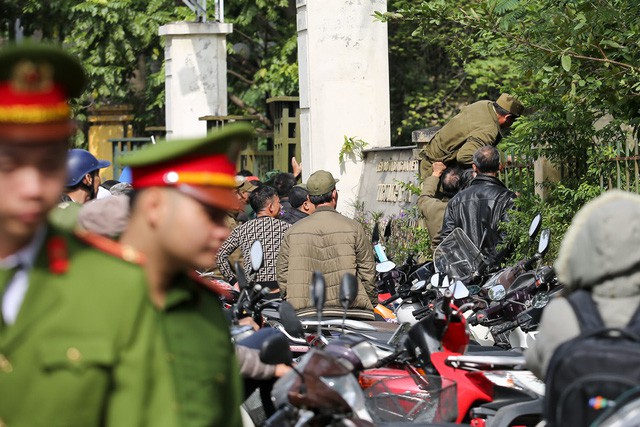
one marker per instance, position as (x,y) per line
(540,300)
(543,244)
(459,290)
(387,230)
(242,278)
(290,320)
(435,280)
(318,289)
(418,286)
(348,290)
(375,236)
(497,293)
(275,349)
(534,227)
(385,267)
(257,255)
(445,282)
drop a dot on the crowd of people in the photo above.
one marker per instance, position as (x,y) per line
(104,320)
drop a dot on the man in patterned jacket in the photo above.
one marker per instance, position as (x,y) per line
(266,228)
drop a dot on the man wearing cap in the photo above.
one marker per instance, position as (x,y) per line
(76,327)
(475,126)
(243,190)
(183,191)
(331,243)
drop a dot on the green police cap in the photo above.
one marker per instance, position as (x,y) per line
(511,104)
(321,182)
(204,168)
(36,83)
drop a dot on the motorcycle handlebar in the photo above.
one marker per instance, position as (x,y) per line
(390,300)
(278,418)
(446,303)
(419,312)
(258,296)
(548,274)
(507,326)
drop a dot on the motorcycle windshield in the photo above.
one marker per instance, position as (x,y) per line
(457,256)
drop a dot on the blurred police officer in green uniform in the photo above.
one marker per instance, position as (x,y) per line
(76,325)
(184,189)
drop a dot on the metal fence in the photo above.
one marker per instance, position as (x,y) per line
(621,171)
(122,146)
(624,172)
(518,173)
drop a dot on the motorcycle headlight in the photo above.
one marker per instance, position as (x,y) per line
(518,380)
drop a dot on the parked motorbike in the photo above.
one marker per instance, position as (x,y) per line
(323,389)
(517,296)
(517,393)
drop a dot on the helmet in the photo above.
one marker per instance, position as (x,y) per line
(81,162)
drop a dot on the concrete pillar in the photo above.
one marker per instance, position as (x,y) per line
(196,75)
(545,173)
(344,86)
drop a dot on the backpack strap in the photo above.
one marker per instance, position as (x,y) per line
(587,312)
(634,324)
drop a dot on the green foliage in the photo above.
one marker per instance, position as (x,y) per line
(118,42)
(352,147)
(557,213)
(263,51)
(574,64)
(407,236)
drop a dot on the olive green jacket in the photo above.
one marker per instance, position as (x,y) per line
(475,126)
(206,376)
(432,208)
(332,244)
(78,353)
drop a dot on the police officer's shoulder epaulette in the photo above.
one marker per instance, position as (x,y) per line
(111,247)
(211,285)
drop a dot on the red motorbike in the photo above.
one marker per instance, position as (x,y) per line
(427,344)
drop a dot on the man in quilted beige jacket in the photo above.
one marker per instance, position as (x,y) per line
(332,244)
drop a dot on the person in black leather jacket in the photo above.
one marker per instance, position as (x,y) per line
(479,208)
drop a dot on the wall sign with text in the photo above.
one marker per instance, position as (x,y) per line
(385,176)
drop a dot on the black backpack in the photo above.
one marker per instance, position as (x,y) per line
(586,374)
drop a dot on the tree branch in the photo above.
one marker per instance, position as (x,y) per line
(240,103)
(240,76)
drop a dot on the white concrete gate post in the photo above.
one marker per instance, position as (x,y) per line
(344,86)
(196,75)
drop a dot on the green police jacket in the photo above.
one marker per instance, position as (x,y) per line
(475,126)
(208,387)
(78,352)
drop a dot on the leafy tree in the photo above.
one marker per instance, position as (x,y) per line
(118,42)
(262,60)
(575,64)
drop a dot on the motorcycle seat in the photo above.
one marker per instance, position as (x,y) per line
(492,351)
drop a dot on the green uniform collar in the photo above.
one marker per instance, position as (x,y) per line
(182,292)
